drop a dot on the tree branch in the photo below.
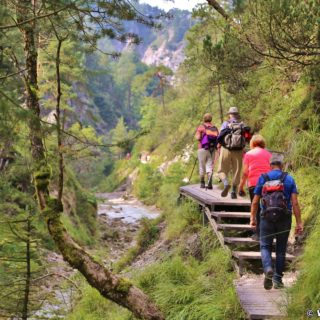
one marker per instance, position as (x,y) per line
(23,22)
(215,4)
(12,74)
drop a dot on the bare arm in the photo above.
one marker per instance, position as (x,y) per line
(244,177)
(254,209)
(198,135)
(297,213)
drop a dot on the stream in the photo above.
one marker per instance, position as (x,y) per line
(130,211)
(119,220)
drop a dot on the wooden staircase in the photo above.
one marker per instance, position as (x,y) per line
(234,232)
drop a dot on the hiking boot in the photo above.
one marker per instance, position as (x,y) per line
(202,184)
(278,284)
(267,283)
(209,185)
(225,191)
(233,195)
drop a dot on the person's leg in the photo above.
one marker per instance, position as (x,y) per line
(257,231)
(209,167)
(236,158)
(234,169)
(202,166)
(266,238)
(223,170)
(258,218)
(282,234)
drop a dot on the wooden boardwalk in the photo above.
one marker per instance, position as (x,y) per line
(259,303)
(211,197)
(229,219)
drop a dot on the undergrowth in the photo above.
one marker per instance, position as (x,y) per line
(305,293)
(148,233)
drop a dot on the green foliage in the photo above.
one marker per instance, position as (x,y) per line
(147,235)
(185,289)
(305,293)
(20,241)
(147,185)
(93,306)
(121,171)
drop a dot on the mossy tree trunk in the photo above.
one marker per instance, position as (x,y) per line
(109,285)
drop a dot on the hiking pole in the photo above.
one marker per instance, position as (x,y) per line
(193,168)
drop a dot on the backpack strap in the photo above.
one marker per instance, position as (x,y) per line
(283,176)
(265,177)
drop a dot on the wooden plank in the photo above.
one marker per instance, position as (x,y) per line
(237,227)
(194,198)
(239,240)
(212,197)
(215,229)
(227,214)
(252,255)
(220,238)
(242,240)
(259,303)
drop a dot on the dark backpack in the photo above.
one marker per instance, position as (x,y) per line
(234,139)
(209,139)
(274,202)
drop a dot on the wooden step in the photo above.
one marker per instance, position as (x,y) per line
(243,240)
(239,240)
(238,227)
(253,255)
(226,214)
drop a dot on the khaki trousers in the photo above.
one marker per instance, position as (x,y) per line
(205,161)
(230,161)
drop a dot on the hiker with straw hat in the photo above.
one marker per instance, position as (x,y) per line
(232,141)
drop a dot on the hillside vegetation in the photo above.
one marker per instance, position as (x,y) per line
(78,119)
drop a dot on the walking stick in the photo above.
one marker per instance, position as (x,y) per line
(193,169)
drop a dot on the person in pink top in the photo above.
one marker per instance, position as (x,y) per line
(255,162)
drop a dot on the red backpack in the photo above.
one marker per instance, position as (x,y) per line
(274,202)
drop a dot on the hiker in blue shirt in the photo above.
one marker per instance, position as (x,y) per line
(275,222)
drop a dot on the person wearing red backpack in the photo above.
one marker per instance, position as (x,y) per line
(279,197)
(207,135)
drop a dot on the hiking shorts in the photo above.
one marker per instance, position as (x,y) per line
(206,159)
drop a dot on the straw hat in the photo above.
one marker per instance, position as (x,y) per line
(233,110)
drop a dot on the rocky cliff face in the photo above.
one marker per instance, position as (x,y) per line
(164,46)
(163,55)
